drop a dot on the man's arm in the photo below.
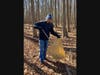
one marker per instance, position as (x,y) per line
(54,33)
(37,25)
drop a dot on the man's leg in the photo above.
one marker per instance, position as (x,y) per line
(41,43)
(45,48)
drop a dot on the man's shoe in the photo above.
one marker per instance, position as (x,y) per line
(41,61)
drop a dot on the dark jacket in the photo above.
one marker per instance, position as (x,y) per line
(47,27)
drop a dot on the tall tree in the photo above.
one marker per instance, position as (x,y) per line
(51,9)
(45,9)
(68,14)
(42,9)
(58,12)
(55,15)
(30,22)
(33,14)
(75,13)
(61,13)
(65,33)
(71,6)
(38,11)
(26,11)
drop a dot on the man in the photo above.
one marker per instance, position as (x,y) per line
(45,28)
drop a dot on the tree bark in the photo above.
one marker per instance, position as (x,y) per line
(58,13)
(68,15)
(33,14)
(65,33)
(55,15)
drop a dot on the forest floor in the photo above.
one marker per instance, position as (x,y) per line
(32,65)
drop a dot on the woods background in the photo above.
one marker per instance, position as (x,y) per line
(65,23)
(63,11)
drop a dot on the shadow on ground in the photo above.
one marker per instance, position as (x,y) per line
(36,68)
(70,49)
(30,38)
(59,67)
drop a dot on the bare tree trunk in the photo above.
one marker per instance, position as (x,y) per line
(37,10)
(68,15)
(61,14)
(26,16)
(71,3)
(65,34)
(25,10)
(51,9)
(70,7)
(42,10)
(45,7)
(32,12)
(48,10)
(30,18)
(55,15)
(58,12)
(75,13)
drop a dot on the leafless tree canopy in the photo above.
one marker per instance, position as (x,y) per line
(63,11)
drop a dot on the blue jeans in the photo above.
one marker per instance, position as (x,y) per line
(43,48)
